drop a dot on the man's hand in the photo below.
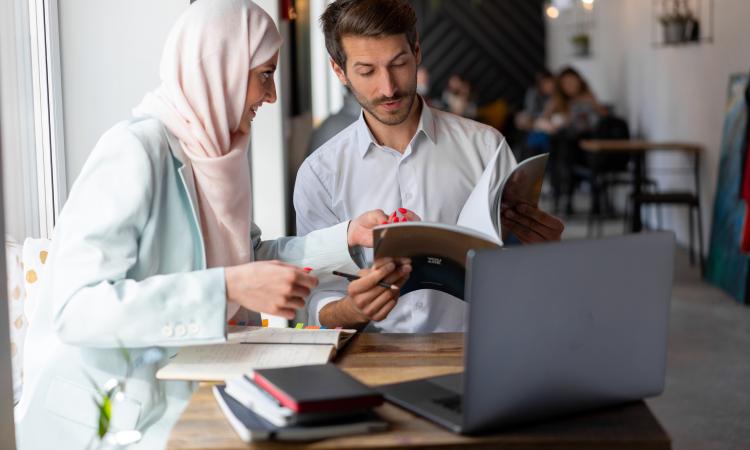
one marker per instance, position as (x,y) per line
(366,300)
(530,224)
(271,287)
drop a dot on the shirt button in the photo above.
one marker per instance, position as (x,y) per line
(193,328)
(180,330)
(167,331)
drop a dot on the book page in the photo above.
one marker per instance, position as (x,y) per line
(483,209)
(524,184)
(222,361)
(477,211)
(267,335)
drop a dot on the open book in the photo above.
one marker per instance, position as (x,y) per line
(438,251)
(254,348)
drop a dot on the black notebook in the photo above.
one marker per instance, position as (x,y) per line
(252,427)
(316,388)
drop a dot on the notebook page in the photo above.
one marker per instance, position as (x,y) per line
(269,335)
(222,361)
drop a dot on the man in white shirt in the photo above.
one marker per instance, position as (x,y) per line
(400,155)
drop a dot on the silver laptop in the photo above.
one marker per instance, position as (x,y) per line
(554,329)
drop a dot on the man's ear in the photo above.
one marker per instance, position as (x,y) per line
(340,73)
(418,51)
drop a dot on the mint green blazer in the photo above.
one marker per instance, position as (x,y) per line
(127,267)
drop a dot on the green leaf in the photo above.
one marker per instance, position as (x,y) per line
(105,414)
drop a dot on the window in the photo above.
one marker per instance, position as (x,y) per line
(33,167)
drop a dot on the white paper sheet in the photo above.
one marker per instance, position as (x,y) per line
(222,361)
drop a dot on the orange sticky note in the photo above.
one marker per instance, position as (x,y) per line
(264,323)
(312,327)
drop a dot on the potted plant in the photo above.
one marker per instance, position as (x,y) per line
(678,22)
(581,44)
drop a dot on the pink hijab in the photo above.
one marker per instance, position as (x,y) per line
(204,75)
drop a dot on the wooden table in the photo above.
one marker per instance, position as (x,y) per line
(386,358)
(638,149)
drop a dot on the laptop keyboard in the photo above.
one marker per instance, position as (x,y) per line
(452,403)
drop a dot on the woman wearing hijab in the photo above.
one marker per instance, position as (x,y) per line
(155,248)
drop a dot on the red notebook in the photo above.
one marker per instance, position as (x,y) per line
(316,388)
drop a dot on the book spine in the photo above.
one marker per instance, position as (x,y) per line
(277,393)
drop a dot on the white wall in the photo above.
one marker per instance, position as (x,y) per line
(110,52)
(671,93)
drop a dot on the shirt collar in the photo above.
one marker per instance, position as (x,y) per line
(365,140)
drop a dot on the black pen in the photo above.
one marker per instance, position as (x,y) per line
(351,277)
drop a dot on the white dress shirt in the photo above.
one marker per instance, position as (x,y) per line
(352,174)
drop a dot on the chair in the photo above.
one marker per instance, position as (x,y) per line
(604,171)
(689,199)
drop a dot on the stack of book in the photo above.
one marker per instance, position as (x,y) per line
(299,403)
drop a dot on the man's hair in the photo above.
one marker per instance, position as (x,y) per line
(367,18)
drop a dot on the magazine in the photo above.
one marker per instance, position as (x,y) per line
(438,250)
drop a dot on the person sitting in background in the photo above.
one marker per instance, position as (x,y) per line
(535,101)
(570,115)
(423,85)
(457,98)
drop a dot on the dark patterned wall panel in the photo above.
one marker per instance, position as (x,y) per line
(498,45)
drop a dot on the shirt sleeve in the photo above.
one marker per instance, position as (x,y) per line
(324,250)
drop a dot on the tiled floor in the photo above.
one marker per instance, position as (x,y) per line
(706,404)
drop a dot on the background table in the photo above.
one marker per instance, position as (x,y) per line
(638,148)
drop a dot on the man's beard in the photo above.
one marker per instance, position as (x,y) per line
(396,117)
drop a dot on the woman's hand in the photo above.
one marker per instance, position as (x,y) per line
(360,229)
(403,215)
(270,287)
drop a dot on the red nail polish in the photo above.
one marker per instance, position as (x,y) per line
(385,223)
(396,220)
(402,210)
(307,269)
(393,215)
